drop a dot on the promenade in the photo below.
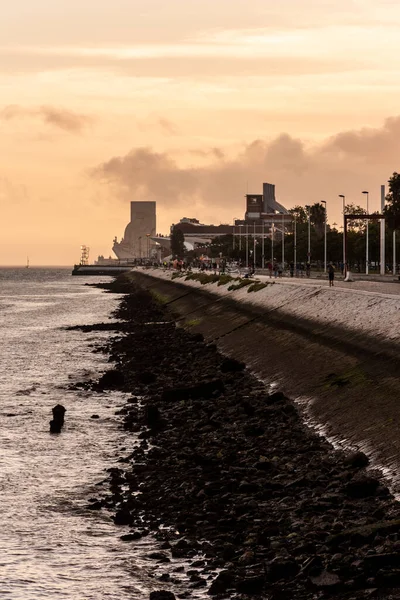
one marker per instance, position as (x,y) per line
(387,286)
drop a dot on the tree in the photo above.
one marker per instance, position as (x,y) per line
(392,208)
(177,243)
(317,217)
(300,213)
(355,209)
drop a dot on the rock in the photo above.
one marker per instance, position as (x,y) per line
(251,585)
(247,558)
(362,487)
(326,580)
(152,416)
(357,460)
(95,417)
(230,365)
(112,379)
(375,562)
(202,390)
(162,595)
(223,581)
(147,378)
(281,568)
(275,397)
(160,556)
(129,537)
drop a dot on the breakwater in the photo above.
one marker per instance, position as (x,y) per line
(224,472)
(337,354)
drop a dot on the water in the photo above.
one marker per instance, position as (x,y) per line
(51,545)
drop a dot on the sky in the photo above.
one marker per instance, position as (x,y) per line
(191,103)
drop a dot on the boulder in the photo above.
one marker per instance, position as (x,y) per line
(112,379)
(230,365)
(162,595)
(362,487)
(221,583)
(357,460)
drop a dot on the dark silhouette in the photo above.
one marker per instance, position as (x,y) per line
(57,422)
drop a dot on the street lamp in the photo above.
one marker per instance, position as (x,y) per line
(247,245)
(367,239)
(254,247)
(295,245)
(148,244)
(283,242)
(262,246)
(325,245)
(309,234)
(240,237)
(344,225)
(272,243)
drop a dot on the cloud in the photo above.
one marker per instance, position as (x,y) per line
(346,163)
(56,117)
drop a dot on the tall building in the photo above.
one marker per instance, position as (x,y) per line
(137,242)
(269,200)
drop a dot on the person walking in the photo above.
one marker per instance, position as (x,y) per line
(331,274)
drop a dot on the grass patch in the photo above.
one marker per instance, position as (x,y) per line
(224,279)
(192,322)
(241,283)
(352,377)
(257,286)
(176,275)
(159,298)
(203,278)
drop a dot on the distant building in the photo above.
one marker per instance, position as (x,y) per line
(137,242)
(270,205)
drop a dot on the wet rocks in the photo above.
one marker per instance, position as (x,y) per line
(266,504)
(162,595)
(357,460)
(111,380)
(362,486)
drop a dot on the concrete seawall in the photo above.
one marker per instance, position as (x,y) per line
(324,349)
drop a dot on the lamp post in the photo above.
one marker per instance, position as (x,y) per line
(254,246)
(325,244)
(148,244)
(262,247)
(240,238)
(344,240)
(247,245)
(140,246)
(283,242)
(309,234)
(295,245)
(367,239)
(272,243)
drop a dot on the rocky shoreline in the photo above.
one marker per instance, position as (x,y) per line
(226,475)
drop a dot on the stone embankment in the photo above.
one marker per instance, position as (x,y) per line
(225,473)
(335,352)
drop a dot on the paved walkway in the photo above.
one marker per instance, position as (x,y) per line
(376,287)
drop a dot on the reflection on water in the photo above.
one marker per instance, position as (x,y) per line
(51,546)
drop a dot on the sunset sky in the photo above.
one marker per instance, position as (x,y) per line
(189,103)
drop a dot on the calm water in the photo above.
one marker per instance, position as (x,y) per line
(51,546)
